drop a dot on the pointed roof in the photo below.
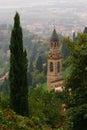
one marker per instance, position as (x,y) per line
(54,37)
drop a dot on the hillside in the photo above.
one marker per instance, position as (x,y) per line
(34,44)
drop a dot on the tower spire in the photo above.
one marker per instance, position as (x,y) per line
(54,36)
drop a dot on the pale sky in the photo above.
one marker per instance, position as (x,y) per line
(13,3)
(22,3)
(30,3)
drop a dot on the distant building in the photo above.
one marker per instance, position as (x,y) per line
(54,65)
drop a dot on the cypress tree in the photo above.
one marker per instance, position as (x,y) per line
(39,64)
(18,70)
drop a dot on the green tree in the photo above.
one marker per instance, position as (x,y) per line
(39,64)
(76,84)
(53,109)
(65,51)
(18,70)
(46,106)
(36,103)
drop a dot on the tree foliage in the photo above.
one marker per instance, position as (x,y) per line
(18,70)
(39,64)
(46,106)
(76,84)
(65,51)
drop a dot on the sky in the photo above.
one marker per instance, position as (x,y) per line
(22,3)
(30,3)
(13,3)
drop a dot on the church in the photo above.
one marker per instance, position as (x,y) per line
(54,64)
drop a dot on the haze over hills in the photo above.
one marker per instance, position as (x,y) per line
(69,14)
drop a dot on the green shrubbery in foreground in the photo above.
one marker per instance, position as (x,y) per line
(44,112)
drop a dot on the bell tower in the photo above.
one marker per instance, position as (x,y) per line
(54,68)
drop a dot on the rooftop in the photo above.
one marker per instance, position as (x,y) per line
(54,37)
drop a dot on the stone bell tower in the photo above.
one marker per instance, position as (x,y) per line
(54,68)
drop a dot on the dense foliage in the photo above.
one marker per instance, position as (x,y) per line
(18,70)
(46,106)
(45,112)
(76,84)
(65,51)
(39,64)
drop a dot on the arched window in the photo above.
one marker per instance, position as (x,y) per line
(54,45)
(58,67)
(51,67)
(51,44)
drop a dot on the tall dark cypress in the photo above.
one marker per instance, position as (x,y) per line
(18,70)
(39,64)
